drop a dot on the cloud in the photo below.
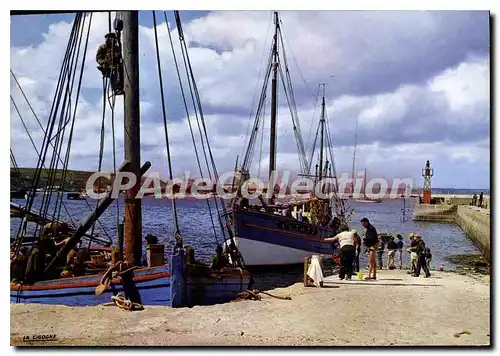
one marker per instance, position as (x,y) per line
(418,82)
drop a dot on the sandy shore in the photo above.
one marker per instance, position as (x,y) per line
(397,309)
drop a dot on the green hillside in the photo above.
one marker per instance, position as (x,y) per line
(75,180)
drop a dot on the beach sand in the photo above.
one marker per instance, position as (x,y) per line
(397,309)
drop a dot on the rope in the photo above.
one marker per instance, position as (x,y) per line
(36,150)
(261,66)
(101,143)
(298,68)
(49,129)
(125,304)
(169,159)
(312,121)
(189,124)
(296,128)
(204,135)
(261,140)
(112,107)
(70,139)
(255,294)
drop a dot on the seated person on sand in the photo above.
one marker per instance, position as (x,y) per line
(219,261)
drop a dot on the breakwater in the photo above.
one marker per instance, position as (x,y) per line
(474,221)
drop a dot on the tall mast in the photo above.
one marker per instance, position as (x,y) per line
(364,184)
(133,209)
(322,123)
(354,154)
(274,99)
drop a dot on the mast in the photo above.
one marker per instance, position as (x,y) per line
(354,154)
(274,99)
(132,143)
(322,123)
(364,185)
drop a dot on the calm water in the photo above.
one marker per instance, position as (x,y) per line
(197,231)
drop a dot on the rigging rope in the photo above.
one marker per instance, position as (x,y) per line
(296,64)
(261,66)
(49,129)
(169,159)
(188,117)
(67,114)
(262,139)
(38,153)
(312,123)
(236,256)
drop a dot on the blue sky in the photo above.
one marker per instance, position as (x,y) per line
(417,82)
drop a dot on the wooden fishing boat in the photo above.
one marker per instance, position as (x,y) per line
(153,284)
(180,283)
(265,237)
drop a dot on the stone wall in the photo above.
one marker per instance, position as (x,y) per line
(435,213)
(475,222)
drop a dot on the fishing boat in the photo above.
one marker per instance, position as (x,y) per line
(112,273)
(266,235)
(365,198)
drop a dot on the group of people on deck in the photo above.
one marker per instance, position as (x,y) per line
(375,244)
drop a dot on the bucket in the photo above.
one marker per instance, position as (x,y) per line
(360,275)
(155,255)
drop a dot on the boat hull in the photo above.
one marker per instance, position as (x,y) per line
(152,283)
(201,286)
(266,239)
(368,201)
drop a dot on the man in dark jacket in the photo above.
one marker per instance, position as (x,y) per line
(371,242)
(421,262)
(399,249)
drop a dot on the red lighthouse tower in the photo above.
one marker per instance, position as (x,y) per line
(427,173)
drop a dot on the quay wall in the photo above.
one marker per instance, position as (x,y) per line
(435,213)
(474,221)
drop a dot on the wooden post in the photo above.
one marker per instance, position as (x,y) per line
(307,261)
(133,211)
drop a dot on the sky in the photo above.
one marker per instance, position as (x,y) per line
(417,82)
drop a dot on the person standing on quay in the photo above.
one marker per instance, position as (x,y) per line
(422,263)
(413,254)
(347,251)
(391,251)
(380,251)
(371,242)
(357,246)
(399,249)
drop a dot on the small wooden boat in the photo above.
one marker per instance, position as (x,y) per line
(365,198)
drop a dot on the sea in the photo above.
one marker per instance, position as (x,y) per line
(390,216)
